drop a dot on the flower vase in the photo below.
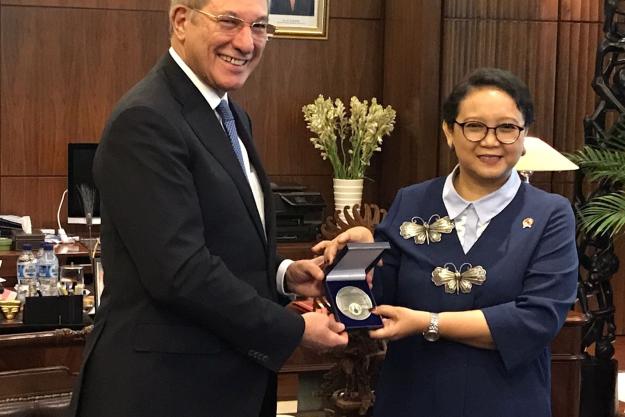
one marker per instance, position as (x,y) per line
(347,193)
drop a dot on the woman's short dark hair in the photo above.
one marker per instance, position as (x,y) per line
(490,77)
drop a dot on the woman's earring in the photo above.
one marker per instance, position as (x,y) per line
(451,147)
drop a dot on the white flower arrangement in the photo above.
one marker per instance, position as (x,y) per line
(364,129)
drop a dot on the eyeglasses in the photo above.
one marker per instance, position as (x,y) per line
(506,133)
(261,31)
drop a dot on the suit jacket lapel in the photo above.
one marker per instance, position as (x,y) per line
(246,136)
(204,122)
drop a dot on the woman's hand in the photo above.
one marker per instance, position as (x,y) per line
(329,248)
(399,322)
(468,327)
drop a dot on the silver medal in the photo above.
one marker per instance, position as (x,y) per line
(354,303)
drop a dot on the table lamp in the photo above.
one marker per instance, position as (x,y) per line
(540,156)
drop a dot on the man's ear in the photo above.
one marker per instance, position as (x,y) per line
(449,136)
(179,16)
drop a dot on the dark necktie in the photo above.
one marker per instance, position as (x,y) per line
(231,129)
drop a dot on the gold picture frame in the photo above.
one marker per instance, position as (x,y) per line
(309,19)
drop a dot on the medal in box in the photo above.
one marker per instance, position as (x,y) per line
(346,284)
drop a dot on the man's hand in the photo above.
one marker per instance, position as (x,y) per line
(399,322)
(322,332)
(305,277)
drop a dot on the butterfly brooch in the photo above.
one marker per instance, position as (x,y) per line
(423,231)
(457,281)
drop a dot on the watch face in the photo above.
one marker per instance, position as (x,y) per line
(431,335)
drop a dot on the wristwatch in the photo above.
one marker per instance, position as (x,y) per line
(431,333)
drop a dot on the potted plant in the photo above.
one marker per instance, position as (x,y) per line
(348,141)
(604,214)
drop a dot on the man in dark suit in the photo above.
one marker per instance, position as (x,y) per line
(190,323)
(293,7)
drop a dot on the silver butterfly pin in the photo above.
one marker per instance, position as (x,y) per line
(423,231)
(456,281)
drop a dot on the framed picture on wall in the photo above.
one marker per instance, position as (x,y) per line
(300,18)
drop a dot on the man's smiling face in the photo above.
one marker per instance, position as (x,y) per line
(222,59)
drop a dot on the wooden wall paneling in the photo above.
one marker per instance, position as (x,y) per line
(502,9)
(581,10)
(523,47)
(575,97)
(292,74)
(411,80)
(357,9)
(59,84)
(154,5)
(37,197)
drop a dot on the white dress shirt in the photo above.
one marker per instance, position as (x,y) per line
(462,211)
(213,100)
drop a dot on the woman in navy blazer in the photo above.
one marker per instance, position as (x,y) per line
(481,273)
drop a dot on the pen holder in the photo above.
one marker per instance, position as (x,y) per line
(64,310)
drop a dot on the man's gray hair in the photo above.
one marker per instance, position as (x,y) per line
(198,4)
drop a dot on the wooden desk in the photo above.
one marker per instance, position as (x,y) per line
(296,250)
(566,367)
(59,347)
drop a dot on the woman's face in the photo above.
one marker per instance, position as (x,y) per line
(487,163)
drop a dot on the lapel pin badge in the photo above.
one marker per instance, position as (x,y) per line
(528,222)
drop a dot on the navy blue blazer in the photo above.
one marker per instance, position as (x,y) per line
(531,281)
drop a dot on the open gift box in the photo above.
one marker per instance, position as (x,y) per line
(346,285)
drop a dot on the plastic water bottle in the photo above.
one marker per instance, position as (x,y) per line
(48,271)
(26,273)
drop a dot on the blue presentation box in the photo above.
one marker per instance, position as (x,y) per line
(346,285)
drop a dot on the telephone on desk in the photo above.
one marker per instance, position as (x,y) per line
(299,213)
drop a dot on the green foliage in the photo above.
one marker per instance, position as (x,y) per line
(605,214)
(601,164)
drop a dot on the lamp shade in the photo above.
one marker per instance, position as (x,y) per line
(540,156)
